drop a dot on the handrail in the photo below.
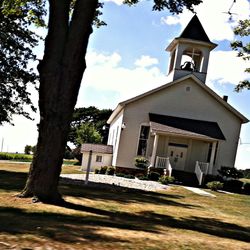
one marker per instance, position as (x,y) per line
(204,167)
(169,168)
(198,172)
(201,169)
(163,162)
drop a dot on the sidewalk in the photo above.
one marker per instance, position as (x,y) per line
(199,191)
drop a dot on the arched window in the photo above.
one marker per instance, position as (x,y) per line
(191,59)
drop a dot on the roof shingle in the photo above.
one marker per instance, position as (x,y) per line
(185,126)
(97,148)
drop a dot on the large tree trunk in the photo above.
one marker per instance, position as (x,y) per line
(60,72)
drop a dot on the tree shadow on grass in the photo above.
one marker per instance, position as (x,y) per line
(12,181)
(71,228)
(59,227)
(85,227)
(103,192)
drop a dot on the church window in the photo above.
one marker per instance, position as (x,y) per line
(143,141)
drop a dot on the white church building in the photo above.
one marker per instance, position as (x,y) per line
(183,124)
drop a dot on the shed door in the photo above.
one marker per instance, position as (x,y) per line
(177,155)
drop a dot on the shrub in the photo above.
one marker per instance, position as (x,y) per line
(129,176)
(233,186)
(215,185)
(141,162)
(153,176)
(246,188)
(120,174)
(110,171)
(15,157)
(103,170)
(142,177)
(97,171)
(230,172)
(246,173)
(68,154)
(210,178)
(166,179)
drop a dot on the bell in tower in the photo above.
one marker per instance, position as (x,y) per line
(189,53)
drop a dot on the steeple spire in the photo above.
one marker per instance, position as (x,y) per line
(195,31)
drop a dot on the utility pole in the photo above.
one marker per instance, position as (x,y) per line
(2,145)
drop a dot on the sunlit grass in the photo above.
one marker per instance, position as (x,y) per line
(108,217)
(24,168)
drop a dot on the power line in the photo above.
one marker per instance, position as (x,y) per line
(229,12)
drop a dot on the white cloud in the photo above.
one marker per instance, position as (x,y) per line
(16,137)
(146,61)
(95,59)
(213,18)
(242,158)
(105,74)
(118,2)
(170,20)
(226,67)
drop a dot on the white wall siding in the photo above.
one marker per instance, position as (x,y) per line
(114,136)
(106,161)
(177,101)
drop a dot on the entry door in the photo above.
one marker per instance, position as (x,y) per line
(177,156)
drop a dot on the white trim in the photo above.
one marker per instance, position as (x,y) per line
(155,146)
(211,162)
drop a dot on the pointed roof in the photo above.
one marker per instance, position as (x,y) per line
(195,31)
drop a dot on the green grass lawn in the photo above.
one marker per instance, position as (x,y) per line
(109,217)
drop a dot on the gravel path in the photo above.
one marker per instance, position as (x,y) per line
(117,181)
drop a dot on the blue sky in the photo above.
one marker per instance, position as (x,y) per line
(127,57)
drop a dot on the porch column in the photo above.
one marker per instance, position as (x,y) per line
(211,163)
(156,138)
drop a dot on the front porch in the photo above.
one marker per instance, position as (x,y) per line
(187,178)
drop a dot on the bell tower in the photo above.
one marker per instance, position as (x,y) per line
(189,53)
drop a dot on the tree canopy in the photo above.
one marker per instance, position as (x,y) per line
(17,41)
(60,74)
(90,115)
(243,31)
(87,133)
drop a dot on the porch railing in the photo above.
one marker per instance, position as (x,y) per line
(201,169)
(163,162)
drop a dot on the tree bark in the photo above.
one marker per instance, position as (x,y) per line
(61,72)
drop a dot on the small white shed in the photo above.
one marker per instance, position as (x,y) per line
(100,154)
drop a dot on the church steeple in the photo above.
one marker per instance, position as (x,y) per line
(189,53)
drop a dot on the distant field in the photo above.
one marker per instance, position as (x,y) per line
(24,168)
(245,180)
(27,158)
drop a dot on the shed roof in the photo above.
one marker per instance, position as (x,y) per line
(97,148)
(186,127)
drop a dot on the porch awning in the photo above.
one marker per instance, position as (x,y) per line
(185,127)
